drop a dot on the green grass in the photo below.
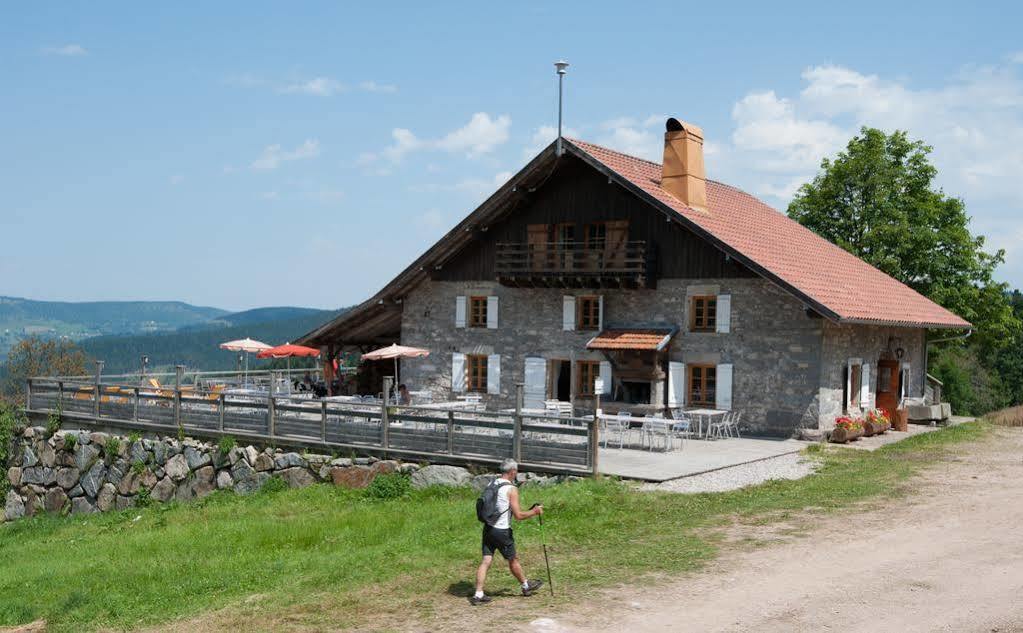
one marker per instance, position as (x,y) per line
(331,553)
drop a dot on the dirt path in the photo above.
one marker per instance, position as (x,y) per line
(947,558)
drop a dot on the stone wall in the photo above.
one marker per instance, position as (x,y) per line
(868,343)
(774,346)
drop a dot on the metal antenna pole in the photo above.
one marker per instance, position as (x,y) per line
(560,66)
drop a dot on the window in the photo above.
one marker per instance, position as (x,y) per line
(702,385)
(588,313)
(855,383)
(477,312)
(476,370)
(588,371)
(596,235)
(703,314)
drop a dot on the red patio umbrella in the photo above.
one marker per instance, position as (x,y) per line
(288,351)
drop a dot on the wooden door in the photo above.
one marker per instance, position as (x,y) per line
(888,386)
(617,238)
(537,246)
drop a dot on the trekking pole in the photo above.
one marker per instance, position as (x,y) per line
(547,562)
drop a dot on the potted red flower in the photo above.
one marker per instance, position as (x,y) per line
(879,419)
(846,430)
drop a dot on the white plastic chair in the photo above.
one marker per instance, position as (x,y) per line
(683,426)
(613,426)
(656,427)
(720,429)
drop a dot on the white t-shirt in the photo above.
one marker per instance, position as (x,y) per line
(504,522)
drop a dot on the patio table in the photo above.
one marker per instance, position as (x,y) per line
(700,414)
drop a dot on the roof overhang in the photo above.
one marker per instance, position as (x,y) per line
(641,339)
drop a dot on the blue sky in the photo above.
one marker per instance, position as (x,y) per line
(249,154)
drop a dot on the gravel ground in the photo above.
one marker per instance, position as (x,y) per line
(793,466)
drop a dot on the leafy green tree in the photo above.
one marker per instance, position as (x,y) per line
(877,199)
(36,356)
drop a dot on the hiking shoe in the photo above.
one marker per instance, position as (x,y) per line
(473,600)
(531,587)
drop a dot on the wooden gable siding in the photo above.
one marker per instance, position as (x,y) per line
(578,194)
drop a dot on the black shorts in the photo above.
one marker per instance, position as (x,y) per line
(499,540)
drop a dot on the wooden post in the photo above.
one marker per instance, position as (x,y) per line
(384,422)
(517,433)
(99,372)
(451,431)
(136,413)
(595,435)
(572,379)
(178,371)
(323,421)
(28,394)
(60,395)
(221,403)
(271,419)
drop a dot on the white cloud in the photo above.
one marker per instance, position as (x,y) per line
(176,179)
(274,155)
(544,136)
(479,136)
(628,135)
(67,50)
(316,87)
(375,86)
(1016,58)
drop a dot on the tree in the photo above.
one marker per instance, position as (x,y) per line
(877,200)
(36,356)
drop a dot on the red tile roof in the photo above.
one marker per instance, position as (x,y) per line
(634,339)
(809,265)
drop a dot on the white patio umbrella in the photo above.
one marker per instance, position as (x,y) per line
(247,345)
(396,351)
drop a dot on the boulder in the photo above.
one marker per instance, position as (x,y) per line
(159,453)
(342,462)
(124,503)
(362,461)
(289,460)
(54,500)
(163,490)
(92,481)
(242,470)
(252,483)
(352,477)
(324,472)
(196,459)
(177,467)
(250,453)
(297,477)
(81,505)
(234,455)
(263,462)
(39,475)
(85,455)
(28,457)
(203,482)
(76,491)
(47,456)
(479,482)
(106,498)
(439,475)
(116,472)
(33,501)
(138,453)
(96,438)
(224,480)
(14,475)
(129,484)
(385,467)
(408,468)
(14,507)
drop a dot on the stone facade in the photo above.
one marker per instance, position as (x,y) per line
(787,364)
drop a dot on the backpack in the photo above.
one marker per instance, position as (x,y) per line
(486,504)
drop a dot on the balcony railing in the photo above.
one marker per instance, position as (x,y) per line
(575,264)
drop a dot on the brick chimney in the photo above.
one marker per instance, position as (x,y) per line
(682,174)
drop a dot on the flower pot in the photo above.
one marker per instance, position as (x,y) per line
(869,428)
(901,420)
(855,434)
(839,435)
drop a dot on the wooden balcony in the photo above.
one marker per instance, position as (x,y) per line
(575,265)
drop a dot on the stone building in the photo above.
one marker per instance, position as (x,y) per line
(676,290)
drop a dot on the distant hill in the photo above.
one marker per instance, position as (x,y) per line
(20,318)
(256,315)
(198,347)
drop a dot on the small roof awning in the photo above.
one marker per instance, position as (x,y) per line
(641,339)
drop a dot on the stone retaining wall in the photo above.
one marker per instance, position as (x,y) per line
(98,472)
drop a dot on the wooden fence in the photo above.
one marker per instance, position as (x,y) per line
(456,436)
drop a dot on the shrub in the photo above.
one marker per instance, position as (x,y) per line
(10,420)
(878,416)
(134,436)
(274,485)
(389,486)
(226,444)
(138,466)
(53,423)
(113,447)
(143,498)
(70,442)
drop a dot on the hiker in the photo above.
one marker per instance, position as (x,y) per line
(498,503)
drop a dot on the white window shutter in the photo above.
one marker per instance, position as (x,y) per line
(676,384)
(849,404)
(460,311)
(492,312)
(600,317)
(724,314)
(905,379)
(458,372)
(494,374)
(605,375)
(568,313)
(723,399)
(535,390)
(865,386)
